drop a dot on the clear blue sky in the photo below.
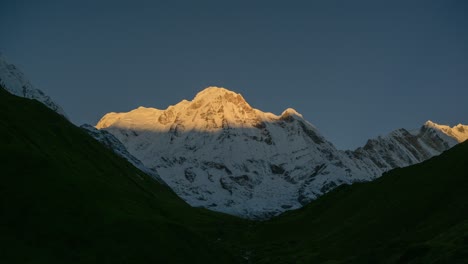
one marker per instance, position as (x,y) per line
(355,69)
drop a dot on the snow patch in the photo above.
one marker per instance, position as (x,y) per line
(15,82)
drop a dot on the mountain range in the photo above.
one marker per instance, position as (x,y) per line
(67,198)
(217,151)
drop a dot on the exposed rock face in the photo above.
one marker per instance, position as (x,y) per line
(218,152)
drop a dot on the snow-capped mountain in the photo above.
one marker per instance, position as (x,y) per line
(458,132)
(402,148)
(112,143)
(14,81)
(218,152)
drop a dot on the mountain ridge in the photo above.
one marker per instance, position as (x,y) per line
(414,215)
(207,107)
(15,82)
(218,152)
(112,143)
(68,199)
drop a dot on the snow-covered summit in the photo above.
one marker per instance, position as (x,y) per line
(290,112)
(15,82)
(214,93)
(212,109)
(458,132)
(218,152)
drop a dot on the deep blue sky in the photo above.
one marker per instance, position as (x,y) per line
(355,69)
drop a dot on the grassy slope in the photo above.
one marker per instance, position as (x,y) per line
(66,199)
(417,214)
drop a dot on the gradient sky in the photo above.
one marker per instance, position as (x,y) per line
(354,69)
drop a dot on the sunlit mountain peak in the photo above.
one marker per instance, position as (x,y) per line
(218,152)
(213,91)
(212,109)
(458,132)
(290,112)
(215,94)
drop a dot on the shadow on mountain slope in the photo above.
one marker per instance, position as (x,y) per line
(261,167)
(64,198)
(417,214)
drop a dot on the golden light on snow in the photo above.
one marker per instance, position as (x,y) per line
(459,132)
(211,110)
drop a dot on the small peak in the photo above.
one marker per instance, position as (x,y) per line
(212,91)
(429,123)
(290,112)
(443,128)
(143,109)
(215,93)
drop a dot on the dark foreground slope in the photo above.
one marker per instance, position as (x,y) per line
(66,199)
(418,214)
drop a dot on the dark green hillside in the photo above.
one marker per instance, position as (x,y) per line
(417,214)
(66,199)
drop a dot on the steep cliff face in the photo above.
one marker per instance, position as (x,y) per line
(218,152)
